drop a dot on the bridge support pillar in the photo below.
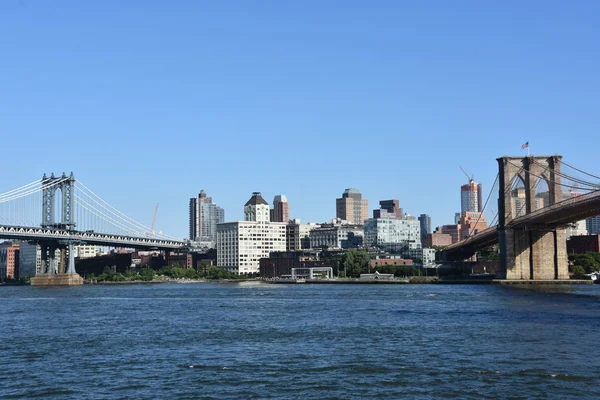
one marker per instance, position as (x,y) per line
(53,267)
(533,255)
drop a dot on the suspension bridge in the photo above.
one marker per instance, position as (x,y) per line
(60,212)
(532,236)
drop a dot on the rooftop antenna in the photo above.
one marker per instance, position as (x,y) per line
(470,178)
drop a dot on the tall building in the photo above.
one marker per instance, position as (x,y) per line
(470,197)
(9,260)
(241,244)
(352,207)
(281,209)
(30,260)
(388,209)
(425,221)
(593,225)
(256,209)
(204,217)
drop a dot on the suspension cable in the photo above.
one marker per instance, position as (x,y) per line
(22,188)
(568,177)
(485,204)
(577,169)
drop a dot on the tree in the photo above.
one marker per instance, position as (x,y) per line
(355,262)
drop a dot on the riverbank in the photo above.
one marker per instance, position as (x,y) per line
(434,280)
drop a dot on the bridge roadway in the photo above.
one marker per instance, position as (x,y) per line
(545,219)
(99,239)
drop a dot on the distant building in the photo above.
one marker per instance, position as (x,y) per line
(583,244)
(425,222)
(593,225)
(86,251)
(336,236)
(298,235)
(352,207)
(9,260)
(241,244)
(470,197)
(204,217)
(30,260)
(471,223)
(281,209)
(392,234)
(438,239)
(280,264)
(388,209)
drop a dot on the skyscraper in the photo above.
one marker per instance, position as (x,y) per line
(281,209)
(204,217)
(425,221)
(470,197)
(352,207)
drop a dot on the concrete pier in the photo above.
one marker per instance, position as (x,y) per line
(57,280)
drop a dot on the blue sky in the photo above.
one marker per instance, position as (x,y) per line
(151,101)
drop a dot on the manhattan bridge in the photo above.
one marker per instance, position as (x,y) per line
(60,212)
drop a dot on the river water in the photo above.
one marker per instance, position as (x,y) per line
(253,340)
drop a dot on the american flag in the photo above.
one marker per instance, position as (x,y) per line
(525,145)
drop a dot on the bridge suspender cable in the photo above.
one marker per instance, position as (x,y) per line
(31,191)
(577,169)
(552,181)
(122,216)
(568,177)
(22,188)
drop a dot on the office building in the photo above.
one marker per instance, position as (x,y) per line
(425,222)
(281,209)
(388,209)
(298,235)
(337,235)
(241,244)
(593,225)
(352,207)
(86,251)
(204,217)
(30,260)
(392,234)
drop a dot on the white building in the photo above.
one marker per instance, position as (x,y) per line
(342,235)
(241,244)
(86,251)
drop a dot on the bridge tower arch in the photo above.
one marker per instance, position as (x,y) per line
(66,186)
(532,252)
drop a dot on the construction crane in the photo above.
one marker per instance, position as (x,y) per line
(154,218)
(470,178)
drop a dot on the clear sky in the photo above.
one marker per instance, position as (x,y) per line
(150,101)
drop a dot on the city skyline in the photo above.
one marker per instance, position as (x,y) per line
(142,113)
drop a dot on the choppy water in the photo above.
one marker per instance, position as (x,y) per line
(250,340)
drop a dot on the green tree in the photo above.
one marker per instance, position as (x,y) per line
(578,270)
(191,274)
(355,262)
(147,274)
